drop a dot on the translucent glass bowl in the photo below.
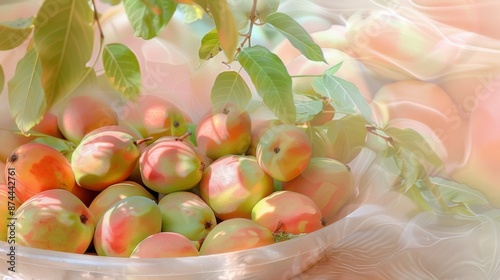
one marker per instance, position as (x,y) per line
(277,261)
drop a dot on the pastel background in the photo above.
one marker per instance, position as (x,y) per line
(431,65)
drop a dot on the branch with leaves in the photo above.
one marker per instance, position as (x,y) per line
(62,43)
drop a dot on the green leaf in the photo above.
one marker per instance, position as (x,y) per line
(307,109)
(420,197)
(319,142)
(122,69)
(226,27)
(229,87)
(411,169)
(112,2)
(457,195)
(149,17)
(192,13)
(333,70)
(271,79)
(62,145)
(202,3)
(414,144)
(345,95)
(297,35)
(347,137)
(210,46)
(410,182)
(14,33)
(2,79)
(254,105)
(88,82)
(64,39)
(26,95)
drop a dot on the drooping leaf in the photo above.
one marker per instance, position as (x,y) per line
(347,137)
(26,95)
(2,79)
(210,46)
(415,144)
(345,95)
(226,27)
(14,33)
(411,170)
(122,69)
(192,13)
(421,197)
(230,88)
(297,35)
(64,39)
(271,79)
(457,195)
(61,145)
(149,17)
(386,169)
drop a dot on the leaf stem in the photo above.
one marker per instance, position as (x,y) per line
(96,18)
(305,76)
(252,18)
(373,130)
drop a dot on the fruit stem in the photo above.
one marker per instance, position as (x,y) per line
(252,17)
(278,227)
(140,141)
(373,130)
(184,136)
(326,100)
(83,219)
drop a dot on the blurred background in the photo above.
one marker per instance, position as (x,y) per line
(430,65)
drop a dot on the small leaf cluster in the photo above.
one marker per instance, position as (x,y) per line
(59,43)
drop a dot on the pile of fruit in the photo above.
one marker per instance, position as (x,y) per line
(146,181)
(265,113)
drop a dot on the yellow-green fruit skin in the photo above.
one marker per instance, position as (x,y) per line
(154,116)
(284,152)
(103,159)
(125,224)
(168,166)
(136,174)
(54,220)
(288,211)
(82,114)
(38,167)
(233,184)
(223,132)
(235,235)
(328,182)
(165,245)
(2,175)
(187,214)
(114,193)
(258,129)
